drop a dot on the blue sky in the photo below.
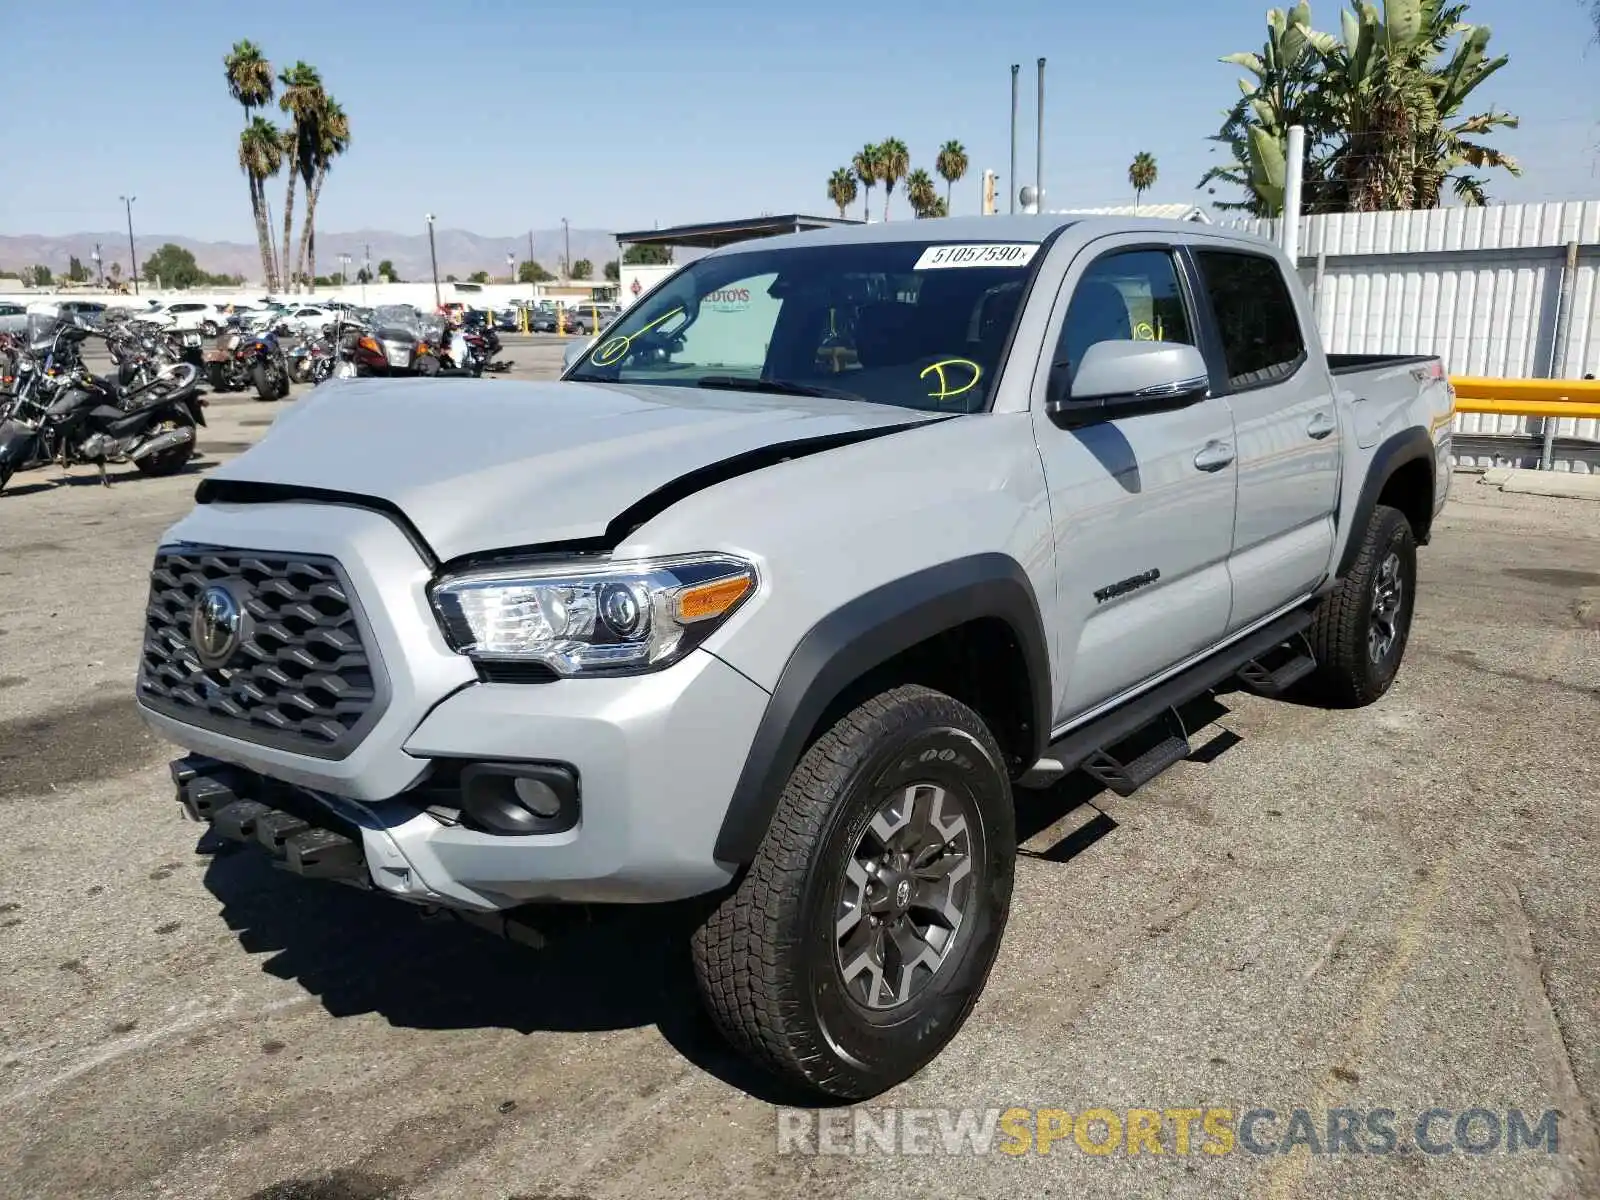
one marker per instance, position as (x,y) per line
(625,114)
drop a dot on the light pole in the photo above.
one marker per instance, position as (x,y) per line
(566,241)
(133,255)
(511,267)
(99,275)
(366,271)
(433,258)
(344,270)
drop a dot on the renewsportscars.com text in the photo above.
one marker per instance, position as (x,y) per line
(1199,1130)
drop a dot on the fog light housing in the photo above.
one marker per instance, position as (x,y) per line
(513,799)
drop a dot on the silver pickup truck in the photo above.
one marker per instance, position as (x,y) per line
(818,553)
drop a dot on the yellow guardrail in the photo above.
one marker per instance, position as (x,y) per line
(1527,397)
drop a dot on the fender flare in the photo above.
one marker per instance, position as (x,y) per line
(865,633)
(1391,454)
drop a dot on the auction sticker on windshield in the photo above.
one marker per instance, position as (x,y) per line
(977,254)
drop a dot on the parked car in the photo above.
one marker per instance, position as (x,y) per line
(86,312)
(590,319)
(727,612)
(307,319)
(13,317)
(186,316)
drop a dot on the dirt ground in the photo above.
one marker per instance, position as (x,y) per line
(1389,908)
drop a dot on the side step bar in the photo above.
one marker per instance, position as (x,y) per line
(1261,660)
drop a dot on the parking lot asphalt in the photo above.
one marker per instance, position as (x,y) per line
(1391,908)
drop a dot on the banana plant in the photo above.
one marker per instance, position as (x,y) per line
(1383,108)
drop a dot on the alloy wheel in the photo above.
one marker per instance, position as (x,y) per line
(907,895)
(1388,598)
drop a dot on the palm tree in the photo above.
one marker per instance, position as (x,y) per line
(333,139)
(249,76)
(842,189)
(260,158)
(951,165)
(894,160)
(921,193)
(1142,175)
(250,83)
(303,99)
(866,165)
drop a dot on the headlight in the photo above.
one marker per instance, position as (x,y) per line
(582,619)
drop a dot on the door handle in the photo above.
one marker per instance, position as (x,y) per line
(1214,456)
(1321,426)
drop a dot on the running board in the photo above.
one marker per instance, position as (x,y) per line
(1093,741)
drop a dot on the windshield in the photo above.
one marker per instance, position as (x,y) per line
(915,324)
(401,318)
(41,328)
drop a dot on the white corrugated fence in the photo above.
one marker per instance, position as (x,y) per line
(1479,287)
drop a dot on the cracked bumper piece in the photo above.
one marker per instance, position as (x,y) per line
(594,790)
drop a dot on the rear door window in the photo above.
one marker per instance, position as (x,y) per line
(1256,319)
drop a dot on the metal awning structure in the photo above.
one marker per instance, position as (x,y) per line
(712,234)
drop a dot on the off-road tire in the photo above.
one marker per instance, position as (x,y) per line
(765,959)
(1346,675)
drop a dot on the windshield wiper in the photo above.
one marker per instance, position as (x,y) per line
(778,387)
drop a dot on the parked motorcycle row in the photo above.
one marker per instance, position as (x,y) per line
(53,409)
(59,411)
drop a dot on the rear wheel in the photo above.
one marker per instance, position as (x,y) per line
(170,461)
(863,932)
(1360,629)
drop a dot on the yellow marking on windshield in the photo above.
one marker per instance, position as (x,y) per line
(614,349)
(943,369)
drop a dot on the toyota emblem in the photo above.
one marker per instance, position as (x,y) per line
(214,626)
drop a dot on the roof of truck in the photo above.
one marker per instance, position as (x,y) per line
(1008,228)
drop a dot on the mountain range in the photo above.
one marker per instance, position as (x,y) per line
(460,252)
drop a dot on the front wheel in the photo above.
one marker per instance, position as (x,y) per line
(427,364)
(1359,631)
(862,934)
(299,369)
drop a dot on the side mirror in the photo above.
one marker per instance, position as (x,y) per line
(1125,379)
(574,351)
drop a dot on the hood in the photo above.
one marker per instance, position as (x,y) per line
(482,465)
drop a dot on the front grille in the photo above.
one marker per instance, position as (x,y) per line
(300,677)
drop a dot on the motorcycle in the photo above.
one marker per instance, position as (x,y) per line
(258,361)
(76,417)
(140,353)
(396,345)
